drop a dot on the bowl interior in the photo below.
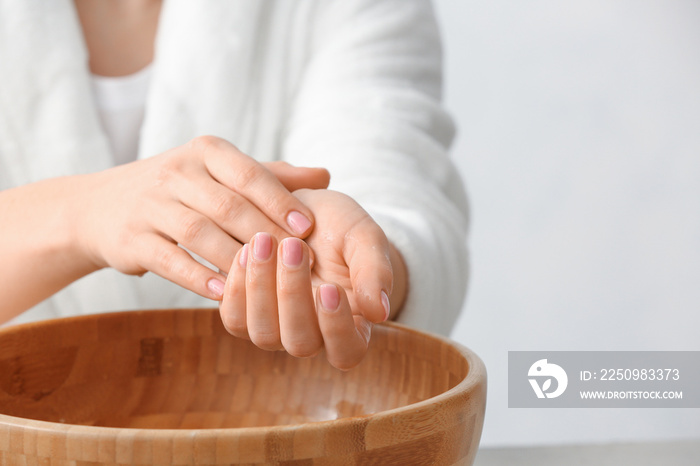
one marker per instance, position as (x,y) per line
(180,369)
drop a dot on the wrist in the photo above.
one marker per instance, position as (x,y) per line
(70,211)
(40,254)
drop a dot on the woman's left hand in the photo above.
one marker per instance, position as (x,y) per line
(274,298)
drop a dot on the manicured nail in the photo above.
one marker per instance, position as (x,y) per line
(216,286)
(298,222)
(330,299)
(292,252)
(387,305)
(262,246)
(243,256)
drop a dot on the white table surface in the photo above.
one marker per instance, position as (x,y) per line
(673,453)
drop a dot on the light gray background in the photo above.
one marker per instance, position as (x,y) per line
(580,145)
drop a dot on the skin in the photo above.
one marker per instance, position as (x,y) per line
(137,217)
(277,301)
(308,268)
(119,34)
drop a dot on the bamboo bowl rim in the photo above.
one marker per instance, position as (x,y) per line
(476,375)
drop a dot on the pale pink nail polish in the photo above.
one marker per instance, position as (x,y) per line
(330,299)
(292,252)
(216,286)
(262,246)
(386,304)
(298,222)
(243,256)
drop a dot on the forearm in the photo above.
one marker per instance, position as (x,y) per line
(37,243)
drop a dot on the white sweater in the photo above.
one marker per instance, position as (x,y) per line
(350,85)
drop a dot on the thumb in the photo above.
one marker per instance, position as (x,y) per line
(371,274)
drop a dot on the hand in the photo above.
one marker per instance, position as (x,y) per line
(276,300)
(205,196)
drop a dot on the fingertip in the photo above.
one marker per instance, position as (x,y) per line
(291,252)
(386,304)
(232,306)
(312,258)
(374,306)
(263,245)
(372,279)
(243,256)
(233,323)
(216,288)
(345,336)
(330,298)
(300,224)
(310,177)
(324,177)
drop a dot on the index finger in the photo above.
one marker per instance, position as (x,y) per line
(249,178)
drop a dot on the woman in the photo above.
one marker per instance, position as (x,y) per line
(351,86)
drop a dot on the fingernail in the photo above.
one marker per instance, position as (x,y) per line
(329,297)
(386,304)
(216,286)
(243,256)
(292,252)
(298,222)
(262,246)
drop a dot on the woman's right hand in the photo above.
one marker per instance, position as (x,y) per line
(206,197)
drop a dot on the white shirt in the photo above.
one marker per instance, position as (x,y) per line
(350,85)
(121,103)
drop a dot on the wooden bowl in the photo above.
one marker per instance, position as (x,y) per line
(173,387)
